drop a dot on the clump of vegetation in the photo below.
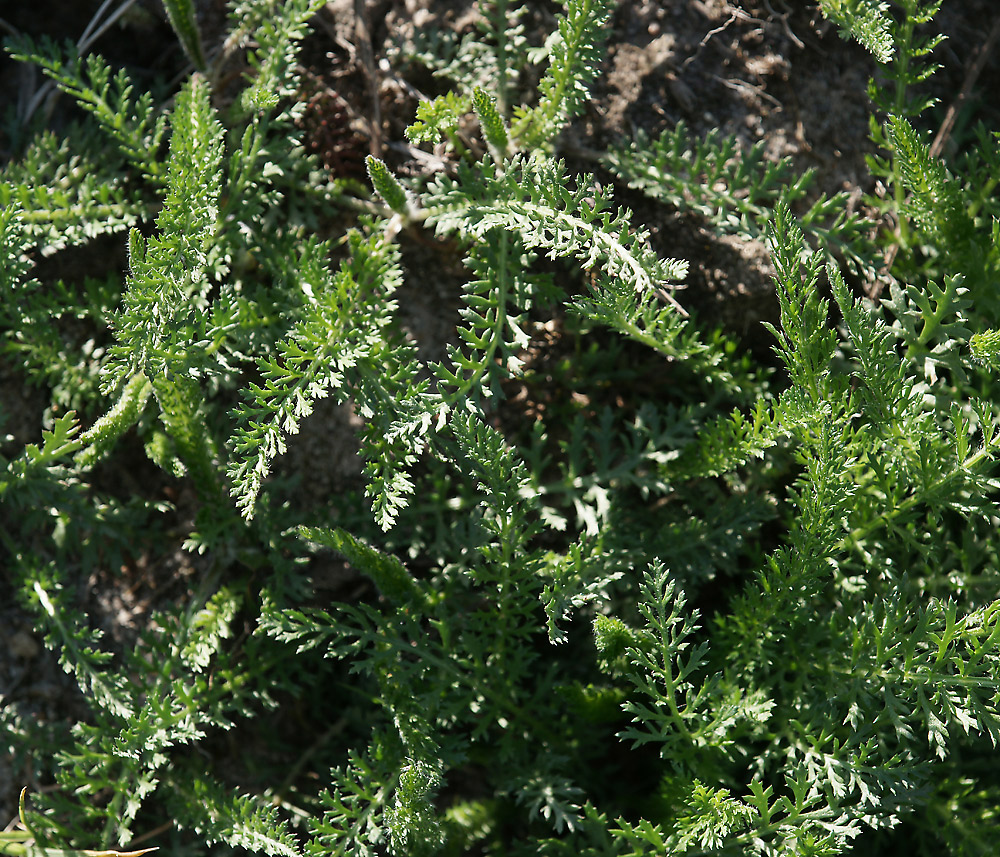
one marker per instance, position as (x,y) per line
(753,613)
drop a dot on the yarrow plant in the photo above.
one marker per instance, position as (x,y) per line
(751,610)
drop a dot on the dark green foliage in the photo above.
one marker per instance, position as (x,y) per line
(438,118)
(865,20)
(736,191)
(69,192)
(573,54)
(132,123)
(181,14)
(337,335)
(612,587)
(492,124)
(386,185)
(534,198)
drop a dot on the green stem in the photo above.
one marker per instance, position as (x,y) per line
(502,71)
(502,271)
(904,42)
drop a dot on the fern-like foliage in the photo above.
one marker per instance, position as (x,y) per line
(439,118)
(71,635)
(932,325)
(494,329)
(412,822)
(867,21)
(573,54)
(911,56)
(935,202)
(888,492)
(916,704)
(122,758)
(386,186)
(141,762)
(736,191)
(13,264)
(986,346)
(338,335)
(491,121)
(69,194)
(391,577)
(646,318)
(534,197)
(182,17)
(504,481)
(627,589)
(904,96)
(166,301)
(492,57)
(245,821)
(41,474)
(61,338)
(163,327)
(598,459)
(352,822)
(675,718)
(501,26)
(132,123)
(278,39)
